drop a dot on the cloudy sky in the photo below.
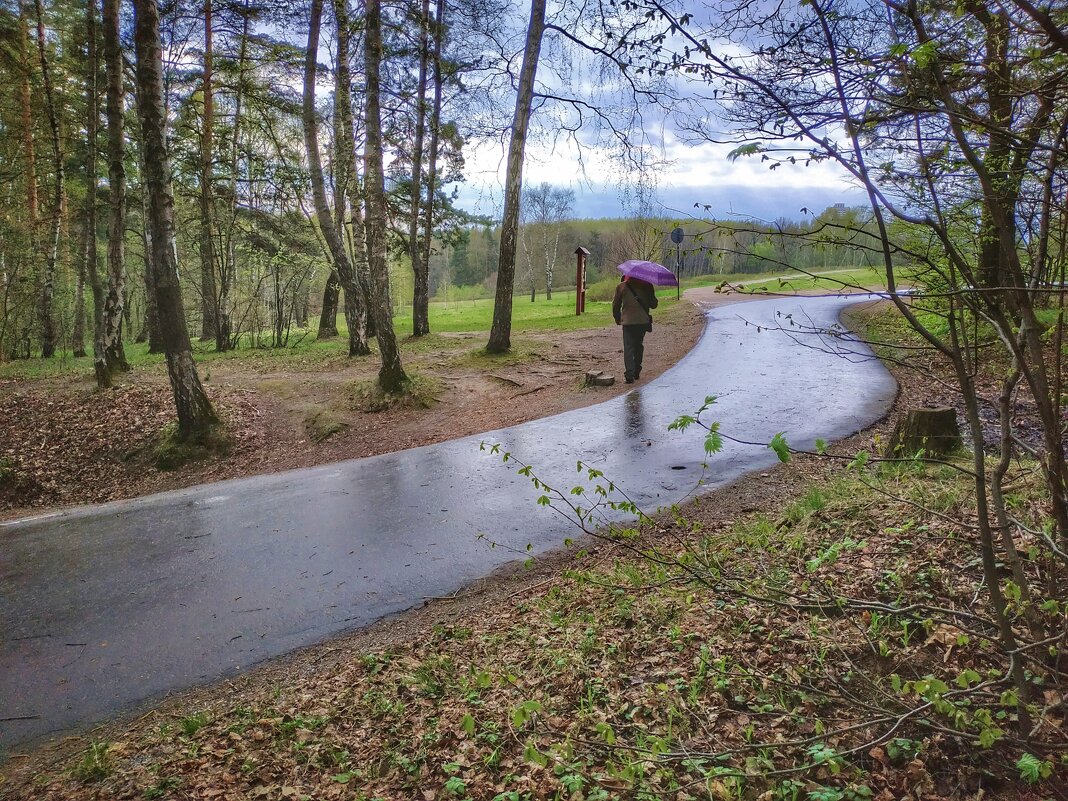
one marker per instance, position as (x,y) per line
(691,175)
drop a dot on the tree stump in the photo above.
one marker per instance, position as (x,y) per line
(933,431)
(596,378)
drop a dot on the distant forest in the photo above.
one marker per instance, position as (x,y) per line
(710,247)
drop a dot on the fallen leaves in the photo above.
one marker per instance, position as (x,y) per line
(76,445)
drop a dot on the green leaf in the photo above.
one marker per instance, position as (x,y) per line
(989,736)
(968,678)
(925,53)
(468,725)
(532,754)
(682,422)
(524,712)
(821,447)
(606,733)
(714,440)
(751,149)
(1032,769)
(782,450)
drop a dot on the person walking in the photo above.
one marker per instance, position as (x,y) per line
(633,301)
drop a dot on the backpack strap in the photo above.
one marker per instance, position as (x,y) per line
(640,301)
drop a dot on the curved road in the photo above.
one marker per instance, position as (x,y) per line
(105,607)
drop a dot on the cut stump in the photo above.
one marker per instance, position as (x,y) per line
(933,431)
(596,378)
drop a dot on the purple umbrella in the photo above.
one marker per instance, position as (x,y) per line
(655,274)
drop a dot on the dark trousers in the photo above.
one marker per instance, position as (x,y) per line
(633,350)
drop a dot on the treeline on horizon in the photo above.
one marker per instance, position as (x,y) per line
(709,247)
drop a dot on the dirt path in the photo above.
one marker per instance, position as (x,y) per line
(62,443)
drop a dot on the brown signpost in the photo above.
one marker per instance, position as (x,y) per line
(580,280)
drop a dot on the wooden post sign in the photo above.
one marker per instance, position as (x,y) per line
(580,280)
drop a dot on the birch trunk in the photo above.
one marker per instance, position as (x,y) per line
(500,339)
(92,103)
(391,376)
(45,319)
(353,301)
(115,302)
(421,282)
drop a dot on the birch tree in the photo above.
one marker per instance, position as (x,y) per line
(355,310)
(500,339)
(115,302)
(391,375)
(195,413)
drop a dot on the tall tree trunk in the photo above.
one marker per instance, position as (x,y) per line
(77,331)
(228,273)
(550,259)
(155,338)
(346,182)
(115,303)
(26,113)
(355,311)
(48,288)
(349,194)
(432,168)
(92,103)
(421,282)
(209,294)
(195,415)
(328,316)
(391,376)
(500,339)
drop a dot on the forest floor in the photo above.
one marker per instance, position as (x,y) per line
(62,442)
(680,664)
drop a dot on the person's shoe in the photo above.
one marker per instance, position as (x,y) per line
(628,380)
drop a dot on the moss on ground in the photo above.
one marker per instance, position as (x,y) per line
(173,452)
(321,424)
(420,392)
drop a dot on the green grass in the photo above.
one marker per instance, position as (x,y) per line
(477,315)
(446,317)
(833,281)
(305,350)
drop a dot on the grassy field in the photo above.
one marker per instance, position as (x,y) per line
(832,281)
(445,317)
(452,317)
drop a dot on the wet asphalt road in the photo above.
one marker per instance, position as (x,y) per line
(105,607)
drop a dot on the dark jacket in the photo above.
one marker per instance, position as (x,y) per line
(625,307)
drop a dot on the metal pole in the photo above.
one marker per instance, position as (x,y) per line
(676,237)
(678,271)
